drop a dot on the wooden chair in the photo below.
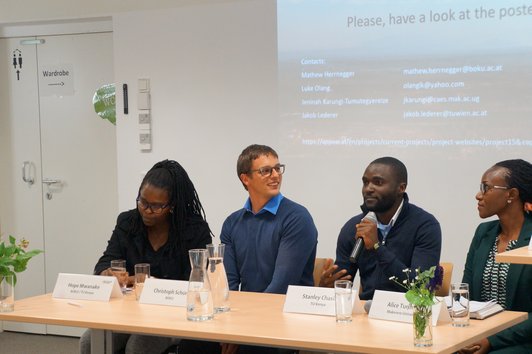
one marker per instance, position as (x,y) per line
(443,290)
(318,269)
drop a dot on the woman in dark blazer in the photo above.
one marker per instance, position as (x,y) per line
(505,190)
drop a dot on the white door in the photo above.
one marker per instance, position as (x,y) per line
(70,145)
(21,212)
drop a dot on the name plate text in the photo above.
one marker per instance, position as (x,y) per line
(164,292)
(393,306)
(310,300)
(86,287)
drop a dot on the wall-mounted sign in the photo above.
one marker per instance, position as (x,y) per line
(17,62)
(56,79)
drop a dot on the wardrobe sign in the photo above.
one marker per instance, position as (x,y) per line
(56,79)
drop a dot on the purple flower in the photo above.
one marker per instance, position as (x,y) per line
(436,281)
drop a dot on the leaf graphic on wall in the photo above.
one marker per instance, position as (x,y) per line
(105,103)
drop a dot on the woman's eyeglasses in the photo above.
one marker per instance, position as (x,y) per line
(154,208)
(484,187)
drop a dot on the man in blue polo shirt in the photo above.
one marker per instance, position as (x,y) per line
(270,242)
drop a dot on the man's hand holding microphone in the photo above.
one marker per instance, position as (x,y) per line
(366,237)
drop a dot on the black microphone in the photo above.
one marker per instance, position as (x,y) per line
(359,243)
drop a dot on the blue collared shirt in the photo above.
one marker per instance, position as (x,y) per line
(272,206)
(385,229)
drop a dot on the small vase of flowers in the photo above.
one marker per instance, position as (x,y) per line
(13,259)
(420,288)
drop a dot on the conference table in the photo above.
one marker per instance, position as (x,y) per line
(521,255)
(255,318)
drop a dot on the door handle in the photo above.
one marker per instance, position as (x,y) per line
(26,173)
(50,181)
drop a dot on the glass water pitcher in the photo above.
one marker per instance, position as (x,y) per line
(199,295)
(218,277)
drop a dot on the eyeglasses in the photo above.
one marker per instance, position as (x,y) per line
(484,187)
(154,208)
(266,171)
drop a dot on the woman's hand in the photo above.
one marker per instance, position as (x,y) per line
(229,348)
(122,277)
(481,347)
(107,272)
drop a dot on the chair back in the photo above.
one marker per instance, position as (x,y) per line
(443,290)
(318,269)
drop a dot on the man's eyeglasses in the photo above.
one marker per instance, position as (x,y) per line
(154,208)
(484,187)
(266,171)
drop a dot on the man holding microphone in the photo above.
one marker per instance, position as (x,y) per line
(392,234)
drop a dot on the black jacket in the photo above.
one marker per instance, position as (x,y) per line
(129,241)
(414,241)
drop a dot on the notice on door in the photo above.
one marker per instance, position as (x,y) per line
(56,79)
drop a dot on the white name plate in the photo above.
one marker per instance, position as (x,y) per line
(164,292)
(309,299)
(86,287)
(393,306)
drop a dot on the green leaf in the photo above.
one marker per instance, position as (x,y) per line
(32,253)
(14,258)
(4,270)
(9,250)
(413,298)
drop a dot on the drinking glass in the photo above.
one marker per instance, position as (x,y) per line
(460,304)
(142,272)
(343,292)
(118,268)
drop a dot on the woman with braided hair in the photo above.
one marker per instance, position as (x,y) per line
(168,221)
(505,191)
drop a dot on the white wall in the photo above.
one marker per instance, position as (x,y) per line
(212,68)
(212,71)
(213,85)
(38,10)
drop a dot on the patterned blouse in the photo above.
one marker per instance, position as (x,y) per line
(494,276)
